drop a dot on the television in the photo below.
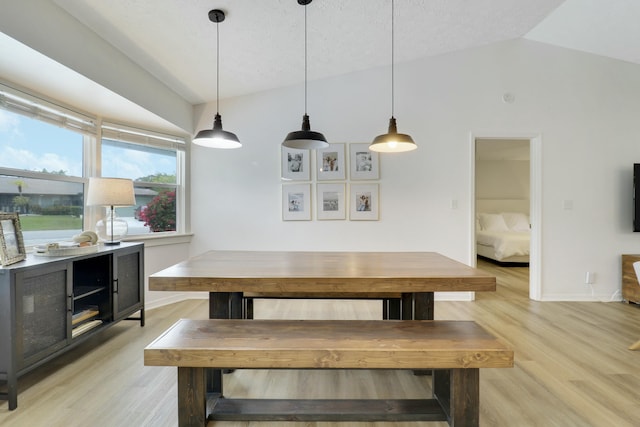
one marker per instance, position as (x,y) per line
(636,197)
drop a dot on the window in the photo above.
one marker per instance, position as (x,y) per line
(153,162)
(47,151)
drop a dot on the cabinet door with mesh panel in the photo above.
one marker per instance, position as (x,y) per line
(128,283)
(43,304)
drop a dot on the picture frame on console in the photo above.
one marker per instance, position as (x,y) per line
(11,240)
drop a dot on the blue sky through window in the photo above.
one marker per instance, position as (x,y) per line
(34,145)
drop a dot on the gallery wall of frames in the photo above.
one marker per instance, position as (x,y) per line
(332,183)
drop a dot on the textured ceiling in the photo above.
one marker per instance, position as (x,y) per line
(262,41)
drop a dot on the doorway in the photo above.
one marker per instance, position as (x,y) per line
(506,178)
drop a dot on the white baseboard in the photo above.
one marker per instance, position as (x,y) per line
(171,299)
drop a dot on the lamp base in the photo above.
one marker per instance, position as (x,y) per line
(111,229)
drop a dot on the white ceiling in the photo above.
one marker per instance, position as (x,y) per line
(262,42)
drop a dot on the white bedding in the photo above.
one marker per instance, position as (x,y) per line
(503,236)
(505,244)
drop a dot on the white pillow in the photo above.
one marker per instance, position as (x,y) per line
(516,221)
(493,222)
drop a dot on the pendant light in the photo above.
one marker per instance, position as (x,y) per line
(392,141)
(306,138)
(216,137)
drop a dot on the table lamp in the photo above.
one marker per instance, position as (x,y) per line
(112,192)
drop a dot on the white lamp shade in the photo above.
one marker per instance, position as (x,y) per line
(110,192)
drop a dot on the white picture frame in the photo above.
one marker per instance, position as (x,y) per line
(363,202)
(330,201)
(330,163)
(365,164)
(296,202)
(296,164)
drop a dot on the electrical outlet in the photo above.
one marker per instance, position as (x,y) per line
(590,278)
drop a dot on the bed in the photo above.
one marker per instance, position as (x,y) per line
(503,236)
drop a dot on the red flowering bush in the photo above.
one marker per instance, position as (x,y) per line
(160,214)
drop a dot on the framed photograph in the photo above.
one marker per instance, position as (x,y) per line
(363,202)
(364,163)
(330,163)
(296,202)
(331,201)
(296,165)
(11,242)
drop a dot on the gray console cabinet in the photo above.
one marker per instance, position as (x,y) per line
(48,305)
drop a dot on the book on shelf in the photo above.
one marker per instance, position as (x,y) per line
(84,314)
(85,327)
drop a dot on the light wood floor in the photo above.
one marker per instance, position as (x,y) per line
(572,367)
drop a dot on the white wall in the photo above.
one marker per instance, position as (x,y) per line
(585,107)
(158,257)
(502,179)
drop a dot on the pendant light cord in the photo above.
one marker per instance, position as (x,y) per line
(392,61)
(217,68)
(305,59)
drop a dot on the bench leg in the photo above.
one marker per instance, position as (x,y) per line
(458,392)
(192,399)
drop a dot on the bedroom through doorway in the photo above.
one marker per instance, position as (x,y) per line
(503,211)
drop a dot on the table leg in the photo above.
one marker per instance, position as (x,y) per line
(219,308)
(422,310)
(406,306)
(219,305)
(417,306)
(391,309)
(423,306)
(236,305)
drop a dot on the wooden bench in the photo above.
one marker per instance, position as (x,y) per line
(455,349)
(391,301)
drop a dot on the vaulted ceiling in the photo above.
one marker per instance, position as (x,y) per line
(262,42)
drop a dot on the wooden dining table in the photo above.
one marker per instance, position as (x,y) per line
(226,275)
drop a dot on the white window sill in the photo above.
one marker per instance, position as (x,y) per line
(160,239)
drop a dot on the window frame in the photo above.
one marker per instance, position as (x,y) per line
(136,136)
(94,129)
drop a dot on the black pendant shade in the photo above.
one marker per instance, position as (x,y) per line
(216,137)
(305,139)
